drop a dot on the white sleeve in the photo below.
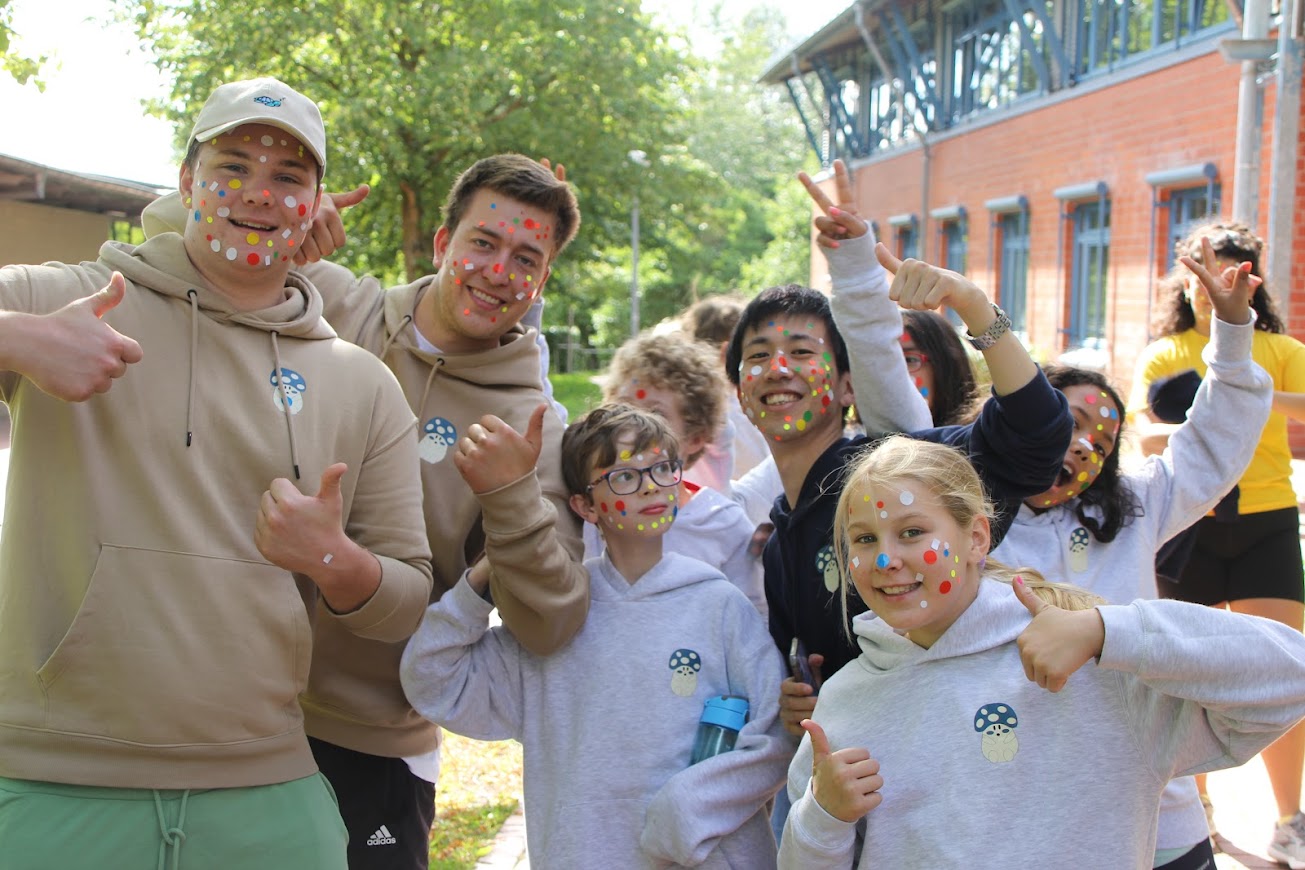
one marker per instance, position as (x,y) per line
(757,490)
(1210,451)
(1204,689)
(871,326)
(461,676)
(813,839)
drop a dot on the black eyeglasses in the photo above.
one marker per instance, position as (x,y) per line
(915,359)
(625,481)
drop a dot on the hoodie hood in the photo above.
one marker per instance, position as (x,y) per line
(162,265)
(995,617)
(673,572)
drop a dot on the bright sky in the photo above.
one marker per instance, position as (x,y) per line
(90,118)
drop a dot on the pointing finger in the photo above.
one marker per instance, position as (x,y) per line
(814,191)
(843,184)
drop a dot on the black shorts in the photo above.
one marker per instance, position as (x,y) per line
(1257,556)
(387,809)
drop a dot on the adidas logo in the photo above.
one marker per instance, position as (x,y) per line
(382,837)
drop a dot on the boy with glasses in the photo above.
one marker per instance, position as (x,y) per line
(608,722)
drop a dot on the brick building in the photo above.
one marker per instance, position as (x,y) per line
(1052,150)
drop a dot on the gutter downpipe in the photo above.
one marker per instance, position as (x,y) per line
(1250,113)
(858,13)
(1286,144)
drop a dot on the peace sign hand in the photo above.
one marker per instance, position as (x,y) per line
(840,220)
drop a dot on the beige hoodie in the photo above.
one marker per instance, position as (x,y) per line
(533,539)
(146,642)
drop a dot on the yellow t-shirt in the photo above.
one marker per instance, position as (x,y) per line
(1266,485)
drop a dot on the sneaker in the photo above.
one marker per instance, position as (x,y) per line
(1288,844)
(1209,815)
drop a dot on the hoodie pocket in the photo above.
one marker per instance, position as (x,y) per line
(176,648)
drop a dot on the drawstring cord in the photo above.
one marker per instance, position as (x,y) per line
(173,836)
(285,406)
(403,324)
(439,364)
(194,344)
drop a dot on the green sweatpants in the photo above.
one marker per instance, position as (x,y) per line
(289,826)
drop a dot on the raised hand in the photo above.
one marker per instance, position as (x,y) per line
(921,286)
(326,235)
(73,354)
(797,700)
(840,220)
(300,532)
(492,454)
(845,783)
(559,172)
(1057,642)
(1229,289)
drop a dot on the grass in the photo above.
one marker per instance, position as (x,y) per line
(479,787)
(577,391)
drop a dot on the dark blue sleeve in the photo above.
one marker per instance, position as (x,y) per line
(780,619)
(1017,445)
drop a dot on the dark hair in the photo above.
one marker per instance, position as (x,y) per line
(1108,492)
(713,319)
(516,176)
(955,393)
(790,300)
(590,441)
(1233,241)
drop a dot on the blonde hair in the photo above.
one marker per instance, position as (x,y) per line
(682,366)
(946,473)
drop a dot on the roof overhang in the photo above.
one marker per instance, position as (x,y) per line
(25,181)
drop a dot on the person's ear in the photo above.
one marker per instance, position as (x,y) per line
(845,389)
(185,183)
(441,246)
(980,538)
(583,507)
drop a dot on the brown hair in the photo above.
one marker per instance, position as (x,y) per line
(1232,241)
(590,441)
(516,176)
(682,366)
(713,319)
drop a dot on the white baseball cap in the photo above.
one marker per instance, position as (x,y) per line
(263,101)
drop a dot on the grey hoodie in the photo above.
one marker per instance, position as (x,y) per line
(146,642)
(608,722)
(982,767)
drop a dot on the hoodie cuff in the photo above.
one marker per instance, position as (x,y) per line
(1125,645)
(395,608)
(817,827)
(1229,342)
(514,507)
(854,261)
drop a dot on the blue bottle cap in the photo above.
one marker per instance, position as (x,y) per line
(728,711)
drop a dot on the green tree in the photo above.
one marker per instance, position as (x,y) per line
(22,68)
(413,93)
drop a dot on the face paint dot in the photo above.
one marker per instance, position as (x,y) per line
(290,202)
(231,253)
(945,587)
(883,515)
(924,605)
(234,184)
(267,140)
(907,498)
(856,561)
(223,211)
(881,561)
(252,238)
(620,506)
(216,246)
(930,557)
(641,394)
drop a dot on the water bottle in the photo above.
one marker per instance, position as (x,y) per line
(722,718)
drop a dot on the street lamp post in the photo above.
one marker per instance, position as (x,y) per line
(639,158)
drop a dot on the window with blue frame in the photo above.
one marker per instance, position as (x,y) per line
(908,242)
(955,242)
(1188,209)
(1090,227)
(1014,231)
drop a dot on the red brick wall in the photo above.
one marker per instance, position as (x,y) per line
(1181,115)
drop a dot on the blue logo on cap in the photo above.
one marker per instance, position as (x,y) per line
(267,101)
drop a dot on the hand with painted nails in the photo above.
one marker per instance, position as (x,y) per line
(326,235)
(839,219)
(845,783)
(71,353)
(1057,642)
(492,454)
(1229,289)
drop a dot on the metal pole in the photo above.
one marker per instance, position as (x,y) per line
(1246,180)
(1286,142)
(634,271)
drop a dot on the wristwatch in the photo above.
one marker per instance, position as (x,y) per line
(989,336)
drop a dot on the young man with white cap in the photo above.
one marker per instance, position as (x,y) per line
(197,462)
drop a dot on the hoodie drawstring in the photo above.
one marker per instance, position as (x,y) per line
(430,377)
(173,835)
(403,324)
(285,406)
(193,294)
(425,391)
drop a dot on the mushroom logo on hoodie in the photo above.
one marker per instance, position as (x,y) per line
(437,436)
(289,393)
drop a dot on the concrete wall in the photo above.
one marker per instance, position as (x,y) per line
(34,233)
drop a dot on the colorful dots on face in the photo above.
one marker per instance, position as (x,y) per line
(945,587)
(881,561)
(907,498)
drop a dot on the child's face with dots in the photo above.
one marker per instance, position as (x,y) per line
(634,496)
(1095,437)
(662,401)
(910,561)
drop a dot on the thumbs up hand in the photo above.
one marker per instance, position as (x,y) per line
(492,454)
(1057,642)
(296,531)
(71,353)
(845,783)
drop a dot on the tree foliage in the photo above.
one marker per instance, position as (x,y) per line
(413,93)
(22,68)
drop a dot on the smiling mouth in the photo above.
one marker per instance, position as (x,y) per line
(895,591)
(780,398)
(653,510)
(484,298)
(251,225)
